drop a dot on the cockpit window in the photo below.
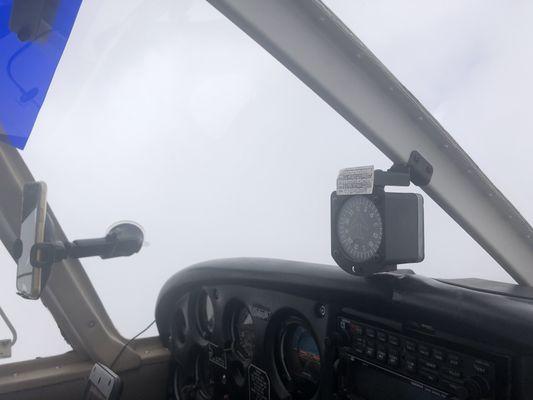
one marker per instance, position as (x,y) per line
(167,114)
(467,63)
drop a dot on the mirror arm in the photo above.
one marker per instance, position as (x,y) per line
(90,247)
(123,240)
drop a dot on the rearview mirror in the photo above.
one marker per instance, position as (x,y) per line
(36,250)
(29,278)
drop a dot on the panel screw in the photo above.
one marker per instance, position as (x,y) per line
(321,310)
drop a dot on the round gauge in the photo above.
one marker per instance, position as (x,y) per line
(300,360)
(204,377)
(181,385)
(243,334)
(206,314)
(359,228)
(176,389)
(179,329)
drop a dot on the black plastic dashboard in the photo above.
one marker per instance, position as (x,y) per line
(274,329)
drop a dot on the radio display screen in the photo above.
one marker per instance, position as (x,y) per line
(376,384)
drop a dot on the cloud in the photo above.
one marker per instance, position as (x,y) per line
(251,176)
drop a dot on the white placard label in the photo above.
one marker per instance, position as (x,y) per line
(357,180)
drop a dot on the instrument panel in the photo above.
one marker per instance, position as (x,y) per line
(236,341)
(415,366)
(233,339)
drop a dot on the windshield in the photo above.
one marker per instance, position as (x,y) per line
(167,114)
(468,63)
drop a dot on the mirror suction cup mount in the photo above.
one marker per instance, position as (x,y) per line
(122,240)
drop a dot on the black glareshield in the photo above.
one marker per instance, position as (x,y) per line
(373,233)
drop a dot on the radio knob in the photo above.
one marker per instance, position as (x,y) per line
(341,339)
(462,393)
(476,388)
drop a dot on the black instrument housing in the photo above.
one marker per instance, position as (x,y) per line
(403,232)
(476,319)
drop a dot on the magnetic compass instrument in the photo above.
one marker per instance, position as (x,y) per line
(373,230)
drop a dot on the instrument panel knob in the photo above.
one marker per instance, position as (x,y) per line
(476,388)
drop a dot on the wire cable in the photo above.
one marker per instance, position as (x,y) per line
(129,342)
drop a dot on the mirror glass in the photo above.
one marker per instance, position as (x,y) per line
(31,232)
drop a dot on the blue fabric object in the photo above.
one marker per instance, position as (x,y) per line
(27,69)
(4,19)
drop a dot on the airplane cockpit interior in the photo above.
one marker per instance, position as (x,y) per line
(297,272)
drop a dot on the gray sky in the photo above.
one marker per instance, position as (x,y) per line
(165,113)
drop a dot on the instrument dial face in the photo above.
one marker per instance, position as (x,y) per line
(179,329)
(300,357)
(206,314)
(205,381)
(244,334)
(359,228)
